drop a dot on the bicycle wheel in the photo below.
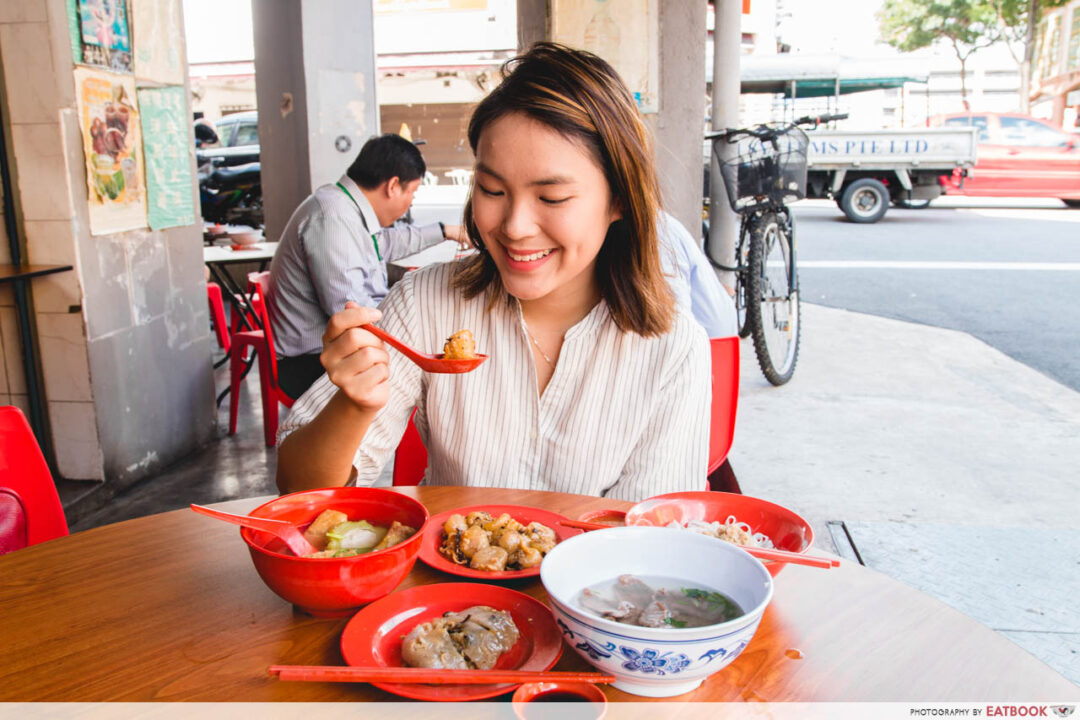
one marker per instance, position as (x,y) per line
(772,311)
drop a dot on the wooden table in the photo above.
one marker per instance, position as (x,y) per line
(169,607)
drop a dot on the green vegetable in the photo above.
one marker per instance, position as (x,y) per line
(675,623)
(714,599)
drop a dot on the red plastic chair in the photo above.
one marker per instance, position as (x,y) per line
(725,398)
(217,314)
(725,401)
(30,509)
(410,458)
(261,342)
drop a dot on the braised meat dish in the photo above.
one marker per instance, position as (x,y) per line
(473,638)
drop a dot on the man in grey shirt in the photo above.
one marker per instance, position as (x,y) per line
(335,248)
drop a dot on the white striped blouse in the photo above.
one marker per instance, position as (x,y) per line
(623,416)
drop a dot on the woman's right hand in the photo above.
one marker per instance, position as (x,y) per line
(354,359)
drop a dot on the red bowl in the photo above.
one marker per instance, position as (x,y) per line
(333,587)
(787,530)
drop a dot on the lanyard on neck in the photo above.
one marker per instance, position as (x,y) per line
(373,240)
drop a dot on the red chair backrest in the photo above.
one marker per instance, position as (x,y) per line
(410,459)
(258,289)
(725,398)
(30,508)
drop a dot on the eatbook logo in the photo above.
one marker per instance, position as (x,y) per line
(1063,711)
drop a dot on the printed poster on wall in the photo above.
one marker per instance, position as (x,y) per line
(109,120)
(158,41)
(105,34)
(170,199)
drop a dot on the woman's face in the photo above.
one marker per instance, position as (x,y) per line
(542,206)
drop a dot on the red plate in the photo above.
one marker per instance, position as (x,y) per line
(373,637)
(433,537)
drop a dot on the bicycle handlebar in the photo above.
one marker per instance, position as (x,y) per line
(764,132)
(820,119)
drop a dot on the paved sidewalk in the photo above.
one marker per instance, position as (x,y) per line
(954,468)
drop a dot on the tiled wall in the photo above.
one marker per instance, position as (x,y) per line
(40,176)
(124,339)
(12,380)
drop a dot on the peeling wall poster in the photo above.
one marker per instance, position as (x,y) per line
(106,38)
(109,120)
(170,198)
(158,40)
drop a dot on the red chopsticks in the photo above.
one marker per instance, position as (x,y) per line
(760,553)
(335,673)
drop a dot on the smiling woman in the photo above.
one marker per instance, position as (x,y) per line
(595,383)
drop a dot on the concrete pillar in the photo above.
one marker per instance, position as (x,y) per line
(723,222)
(532,22)
(678,56)
(678,125)
(124,337)
(315,88)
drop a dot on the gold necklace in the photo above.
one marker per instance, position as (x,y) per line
(542,353)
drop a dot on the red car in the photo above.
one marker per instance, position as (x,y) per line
(1019,156)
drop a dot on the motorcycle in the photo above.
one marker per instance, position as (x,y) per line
(231,195)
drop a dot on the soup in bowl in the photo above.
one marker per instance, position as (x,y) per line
(659,609)
(334,586)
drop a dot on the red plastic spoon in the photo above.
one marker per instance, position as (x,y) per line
(425,361)
(288,532)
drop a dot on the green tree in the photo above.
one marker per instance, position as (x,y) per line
(965,25)
(1018,20)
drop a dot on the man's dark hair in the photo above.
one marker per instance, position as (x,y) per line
(384,157)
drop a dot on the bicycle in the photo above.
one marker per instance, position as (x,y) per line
(767,171)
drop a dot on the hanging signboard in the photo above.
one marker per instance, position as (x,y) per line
(105,34)
(109,120)
(169,194)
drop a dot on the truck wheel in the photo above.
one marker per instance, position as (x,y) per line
(865,200)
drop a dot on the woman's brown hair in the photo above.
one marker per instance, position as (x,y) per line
(581,97)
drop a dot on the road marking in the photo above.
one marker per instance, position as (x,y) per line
(919,265)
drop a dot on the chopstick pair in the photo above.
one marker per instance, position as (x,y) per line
(335,673)
(759,553)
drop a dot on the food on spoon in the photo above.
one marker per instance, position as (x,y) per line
(494,544)
(731,530)
(658,603)
(472,638)
(335,536)
(460,346)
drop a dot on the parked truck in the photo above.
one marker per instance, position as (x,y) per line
(865,171)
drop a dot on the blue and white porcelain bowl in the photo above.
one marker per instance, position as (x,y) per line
(654,662)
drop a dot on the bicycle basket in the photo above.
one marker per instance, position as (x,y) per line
(765,172)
